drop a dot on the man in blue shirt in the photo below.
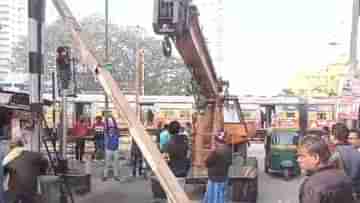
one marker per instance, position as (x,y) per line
(164,137)
(111,150)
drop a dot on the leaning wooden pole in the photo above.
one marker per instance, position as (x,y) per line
(150,151)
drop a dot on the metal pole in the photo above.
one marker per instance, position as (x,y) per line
(106,60)
(353,47)
(53,81)
(138,75)
(140,81)
(64,126)
(354,35)
(106,45)
(137,89)
(36,14)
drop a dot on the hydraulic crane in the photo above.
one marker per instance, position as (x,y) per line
(178,21)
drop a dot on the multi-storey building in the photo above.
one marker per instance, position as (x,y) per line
(13,22)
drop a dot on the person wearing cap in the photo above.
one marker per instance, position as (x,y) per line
(218,163)
(111,150)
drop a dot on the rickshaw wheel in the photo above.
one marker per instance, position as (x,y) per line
(266,167)
(287,174)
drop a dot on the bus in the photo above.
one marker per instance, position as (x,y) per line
(155,110)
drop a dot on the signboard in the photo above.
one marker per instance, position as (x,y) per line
(351,86)
(319,108)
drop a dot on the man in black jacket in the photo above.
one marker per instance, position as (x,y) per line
(218,163)
(324,184)
(345,156)
(24,168)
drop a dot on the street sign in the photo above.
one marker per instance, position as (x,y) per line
(108,66)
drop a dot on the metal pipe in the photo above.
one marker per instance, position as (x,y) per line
(106,130)
(53,89)
(106,45)
(64,126)
(354,35)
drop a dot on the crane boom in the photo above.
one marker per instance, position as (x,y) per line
(178,20)
(192,47)
(150,151)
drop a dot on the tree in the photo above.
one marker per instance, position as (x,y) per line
(163,76)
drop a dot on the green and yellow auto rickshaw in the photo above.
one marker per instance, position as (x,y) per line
(280,152)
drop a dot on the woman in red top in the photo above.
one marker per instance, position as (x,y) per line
(80,130)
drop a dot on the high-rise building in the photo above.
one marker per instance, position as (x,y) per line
(13,25)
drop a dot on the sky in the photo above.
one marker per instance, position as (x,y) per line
(265,43)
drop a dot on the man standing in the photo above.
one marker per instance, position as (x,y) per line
(324,184)
(338,137)
(354,138)
(99,130)
(137,159)
(218,164)
(24,168)
(177,150)
(111,150)
(164,137)
(345,157)
(80,130)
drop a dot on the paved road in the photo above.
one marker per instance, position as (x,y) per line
(272,189)
(135,190)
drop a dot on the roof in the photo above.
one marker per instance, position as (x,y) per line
(16,100)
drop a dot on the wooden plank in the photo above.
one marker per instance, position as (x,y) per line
(150,151)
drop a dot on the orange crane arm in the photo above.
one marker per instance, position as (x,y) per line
(192,47)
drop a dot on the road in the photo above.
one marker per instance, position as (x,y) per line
(272,188)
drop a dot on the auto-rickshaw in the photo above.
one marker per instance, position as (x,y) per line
(280,152)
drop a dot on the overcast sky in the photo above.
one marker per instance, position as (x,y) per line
(265,42)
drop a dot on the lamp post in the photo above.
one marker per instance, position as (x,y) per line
(347,84)
(139,73)
(354,35)
(106,111)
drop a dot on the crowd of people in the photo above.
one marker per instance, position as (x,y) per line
(333,165)
(330,161)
